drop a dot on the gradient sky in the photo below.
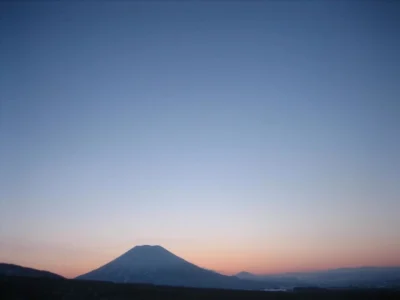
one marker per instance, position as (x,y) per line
(260,136)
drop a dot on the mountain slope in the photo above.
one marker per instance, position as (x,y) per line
(156,265)
(15,270)
(344,277)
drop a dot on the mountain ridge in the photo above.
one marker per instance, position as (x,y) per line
(157,265)
(7,269)
(333,278)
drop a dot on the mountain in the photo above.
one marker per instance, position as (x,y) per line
(156,265)
(371,277)
(247,275)
(281,281)
(15,270)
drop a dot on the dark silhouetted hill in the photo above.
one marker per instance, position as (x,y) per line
(15,270)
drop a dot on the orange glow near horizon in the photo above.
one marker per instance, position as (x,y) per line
(225,266)
(220,260)
(279,255)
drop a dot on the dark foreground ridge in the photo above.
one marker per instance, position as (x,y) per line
(14,270)
(21,288)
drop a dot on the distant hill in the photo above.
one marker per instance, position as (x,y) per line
(366,277)
(248,275)
(156,265)
(15,270)
(280,281)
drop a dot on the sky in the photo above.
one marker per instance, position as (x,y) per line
(259,136)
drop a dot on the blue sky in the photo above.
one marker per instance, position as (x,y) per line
(266,130)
